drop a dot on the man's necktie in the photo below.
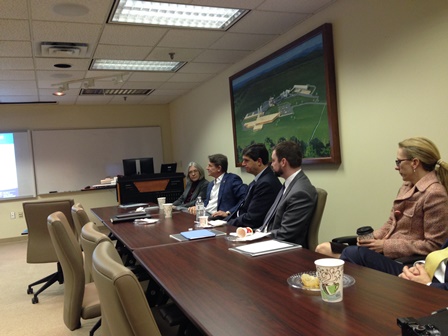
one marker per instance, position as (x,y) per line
(272,210)
(433,261)
(236,212)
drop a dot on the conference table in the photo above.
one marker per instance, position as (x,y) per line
(224,292)
(135,236)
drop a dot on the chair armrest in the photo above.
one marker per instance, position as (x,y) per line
(410,260)
(349,240)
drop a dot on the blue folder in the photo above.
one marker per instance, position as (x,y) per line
(197,234)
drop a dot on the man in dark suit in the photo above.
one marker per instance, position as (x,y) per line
(262,190)
(225,192)
(290,216)
(417,273)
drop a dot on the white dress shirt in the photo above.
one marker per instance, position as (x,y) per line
(212,205)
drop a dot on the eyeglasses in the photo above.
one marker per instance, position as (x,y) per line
(397,161)
(191,172)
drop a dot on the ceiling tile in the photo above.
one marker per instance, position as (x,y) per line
(14,9)
(16,63)
(183,77)
(294,6)
(15,48)
(190,38)
(121,34)
(11,30)
(222,56)
(27,75)
(180,54)
(66,32)
(121,52)
(206,68)
(268,22)
(48,64)
(235,41)
(71,11)
(17,75)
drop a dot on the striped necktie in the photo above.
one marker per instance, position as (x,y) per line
(433,261)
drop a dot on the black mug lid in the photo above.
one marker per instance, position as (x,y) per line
(363,230)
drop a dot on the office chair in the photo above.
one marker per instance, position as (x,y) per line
(80,218)
(80,299)
(313,230)
(90,238)
(40,249)
(125,310)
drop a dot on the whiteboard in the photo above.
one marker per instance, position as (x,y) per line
(70,160)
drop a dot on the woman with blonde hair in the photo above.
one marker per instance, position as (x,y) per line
(418,221)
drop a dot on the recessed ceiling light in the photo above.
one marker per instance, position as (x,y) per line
(177,15)
(126,65)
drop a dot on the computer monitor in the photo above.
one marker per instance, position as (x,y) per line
(168,168)
(138,166)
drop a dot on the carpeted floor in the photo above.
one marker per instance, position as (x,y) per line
(19,316)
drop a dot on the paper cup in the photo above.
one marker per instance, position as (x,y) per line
(161,201)
(242,232)
(330,272)
(168,209)
(203,221)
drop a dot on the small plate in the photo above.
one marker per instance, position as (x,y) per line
(296,281)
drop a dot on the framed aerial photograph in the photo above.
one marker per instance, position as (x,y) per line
(290,95)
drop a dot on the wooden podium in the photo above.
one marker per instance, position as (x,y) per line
(147,188)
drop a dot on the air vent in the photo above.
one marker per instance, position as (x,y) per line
(63,49)
(116,92)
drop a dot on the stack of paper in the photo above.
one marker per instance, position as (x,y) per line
(265,247)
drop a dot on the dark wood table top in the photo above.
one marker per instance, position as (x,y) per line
(138,236)
(227,293)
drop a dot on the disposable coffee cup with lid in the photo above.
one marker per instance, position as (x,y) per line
(365,232)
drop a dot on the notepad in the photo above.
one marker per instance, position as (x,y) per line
(265,247)
(197,234)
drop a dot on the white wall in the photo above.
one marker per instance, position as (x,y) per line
(392,79)
(34,117)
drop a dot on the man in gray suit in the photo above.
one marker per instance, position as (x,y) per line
(290,216)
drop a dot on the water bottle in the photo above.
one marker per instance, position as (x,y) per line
(200,210)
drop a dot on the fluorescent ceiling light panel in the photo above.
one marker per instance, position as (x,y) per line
(177,15)
(126,65)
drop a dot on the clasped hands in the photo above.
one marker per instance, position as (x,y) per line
(416,273)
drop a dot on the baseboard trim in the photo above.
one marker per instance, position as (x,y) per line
(13,239)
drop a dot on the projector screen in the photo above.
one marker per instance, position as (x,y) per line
(16,166)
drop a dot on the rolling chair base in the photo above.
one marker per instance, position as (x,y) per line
(47,281)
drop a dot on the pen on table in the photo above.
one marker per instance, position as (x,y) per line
(439,311)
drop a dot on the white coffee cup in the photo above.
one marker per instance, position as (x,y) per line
(168,209)
(330,272)
(242,232)
(161,201)
(203,221)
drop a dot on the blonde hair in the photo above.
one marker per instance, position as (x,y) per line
(428,154)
